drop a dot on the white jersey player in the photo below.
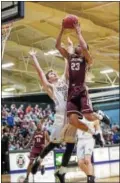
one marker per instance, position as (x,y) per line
(60,90)
(57,89)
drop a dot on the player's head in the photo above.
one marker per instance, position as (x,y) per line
(78,49)
(39,126)
(52,76)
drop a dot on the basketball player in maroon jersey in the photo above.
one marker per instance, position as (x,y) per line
(39,139)
(78,99)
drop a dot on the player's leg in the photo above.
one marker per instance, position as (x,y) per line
(89,169)
(65,160)
(89,147)
(69,137)
(32,157)
(89,115)
(84,153)
(87,109)
(41,156)
(80,155)
(73,113)
(28,172)
(55,142)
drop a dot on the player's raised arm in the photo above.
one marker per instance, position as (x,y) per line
(83,44)
(47,138)
(47,86)
(70,50)
(30,141)
(58,45)
(66,70)
(70,46)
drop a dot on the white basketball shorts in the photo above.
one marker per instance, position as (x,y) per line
(85,147)
(57,127)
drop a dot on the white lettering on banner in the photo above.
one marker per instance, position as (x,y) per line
(114,153)
(101,154)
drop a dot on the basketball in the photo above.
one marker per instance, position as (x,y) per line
(68,21)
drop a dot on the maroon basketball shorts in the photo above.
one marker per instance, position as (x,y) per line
(35,151)
(79,101)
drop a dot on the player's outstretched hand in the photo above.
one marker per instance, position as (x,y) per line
(77,27)
(33,52)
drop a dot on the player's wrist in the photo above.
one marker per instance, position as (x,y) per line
(78,32)
(62,30)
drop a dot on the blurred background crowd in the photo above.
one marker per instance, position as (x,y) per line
(19,122)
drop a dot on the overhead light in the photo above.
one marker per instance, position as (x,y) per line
(9,89)
(106,71)
(7,65)
(52,52)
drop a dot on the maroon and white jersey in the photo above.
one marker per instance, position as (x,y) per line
(39,139)
(77,70)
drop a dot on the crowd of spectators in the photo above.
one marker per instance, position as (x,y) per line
(111,133)
(21,120)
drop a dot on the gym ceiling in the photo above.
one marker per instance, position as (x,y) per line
(39,29)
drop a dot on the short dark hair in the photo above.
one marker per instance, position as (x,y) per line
(47,74)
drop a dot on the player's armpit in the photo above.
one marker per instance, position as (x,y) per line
(49,89)
(63,51)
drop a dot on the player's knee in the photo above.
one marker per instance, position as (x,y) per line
(80,162)
(72,118)
(87,162)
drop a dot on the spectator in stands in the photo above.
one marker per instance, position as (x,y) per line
(10,120)
(28,109)
(20,112)
(13,110)
(116,136)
